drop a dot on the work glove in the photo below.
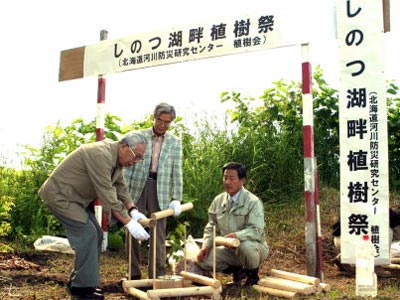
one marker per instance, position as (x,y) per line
(176,206)
(137,215)
(137,230)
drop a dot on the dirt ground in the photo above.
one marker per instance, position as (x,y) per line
(43,275)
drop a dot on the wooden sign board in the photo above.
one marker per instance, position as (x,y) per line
(71,63)
(197,41)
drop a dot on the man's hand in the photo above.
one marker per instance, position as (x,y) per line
(137,215)
(137,230)
(231,235)
(203,254)
(176,206)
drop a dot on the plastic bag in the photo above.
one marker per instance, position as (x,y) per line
(395,249)
(53,243)
(192,249)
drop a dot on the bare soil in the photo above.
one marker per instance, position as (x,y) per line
(43,275)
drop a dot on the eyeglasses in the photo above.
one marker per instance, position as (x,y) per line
(136,156)
(163,122)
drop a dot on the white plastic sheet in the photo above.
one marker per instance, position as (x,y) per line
(53,243)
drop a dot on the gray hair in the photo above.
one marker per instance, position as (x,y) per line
(132,139)
(164,108)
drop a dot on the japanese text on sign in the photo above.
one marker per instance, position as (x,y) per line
(183,44)
(363,129)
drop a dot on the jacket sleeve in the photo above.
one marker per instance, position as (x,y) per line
(209,228)
(122,190)
(177,177)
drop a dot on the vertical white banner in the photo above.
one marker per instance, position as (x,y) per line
(364,189)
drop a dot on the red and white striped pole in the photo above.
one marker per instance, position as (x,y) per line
(100,121)
(319,269)
(309,167)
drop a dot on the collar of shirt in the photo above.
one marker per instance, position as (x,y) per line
(235,197)
(154,135)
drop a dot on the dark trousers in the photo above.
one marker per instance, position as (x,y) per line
(85,239)
(148,204)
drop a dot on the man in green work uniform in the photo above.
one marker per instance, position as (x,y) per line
(235,213)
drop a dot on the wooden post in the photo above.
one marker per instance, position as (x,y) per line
(386,15)
(309,163)
(101,96)
(154,255)
(214,253)
(185,252)
(129,237)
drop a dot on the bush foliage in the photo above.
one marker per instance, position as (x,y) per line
(265,134)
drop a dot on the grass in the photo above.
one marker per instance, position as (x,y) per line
(285,233)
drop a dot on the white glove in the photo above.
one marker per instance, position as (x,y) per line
(176,206)
(137,215)
(137,230)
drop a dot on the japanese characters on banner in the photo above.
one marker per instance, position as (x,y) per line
(364,190)
(183,44)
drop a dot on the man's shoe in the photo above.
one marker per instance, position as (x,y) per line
(136,277)
(83,293)
(96,289)
(252,277)
(238,274)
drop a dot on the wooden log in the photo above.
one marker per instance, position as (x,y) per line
(325,286)
(181,292)
(229,242)
(147,222)
(275,292)
(288,285)
(170,212)
(215,283)
(296,277)
(391,266)
(395,260)
(136,293)
(140,283)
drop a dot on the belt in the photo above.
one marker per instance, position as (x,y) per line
(153,175)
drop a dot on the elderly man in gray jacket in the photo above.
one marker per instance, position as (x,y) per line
(93,171)
(236,213)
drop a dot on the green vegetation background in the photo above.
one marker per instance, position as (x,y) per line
(264,133)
